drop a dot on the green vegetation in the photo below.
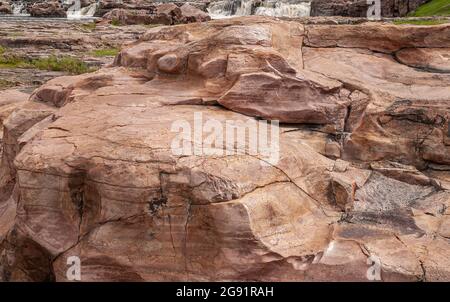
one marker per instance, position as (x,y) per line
(107,52)
(4,84)
(152,25)
(15,34)
(64,63)
(421,22)
(89,26)
(67,64)
(11,61)
(116,22)
(433,8)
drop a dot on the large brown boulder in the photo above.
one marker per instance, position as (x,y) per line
(360,173)
(47,9)
(359,8)
(128,16)
(166,14)
(5,8)
(354,8)
(191,13)
(106,6)
(378,37)
(130,4)
(409,122)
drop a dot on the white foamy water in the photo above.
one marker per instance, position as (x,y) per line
(280,10)
(75,11)
(82,13)
(286,8)
(245,9)
(19,9)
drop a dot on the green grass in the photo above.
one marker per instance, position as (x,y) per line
(89,26)
(53,63)
(4,84)
(15,34)
(152,25)
(107,52)
(10,61)
(433,8)
(66,64)
(116,22)
(421,22)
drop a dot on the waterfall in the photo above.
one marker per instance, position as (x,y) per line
(245,9)
(77,12)
(284,8)
(222,9)
(19,9)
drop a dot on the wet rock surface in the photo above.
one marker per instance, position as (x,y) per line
(88,167)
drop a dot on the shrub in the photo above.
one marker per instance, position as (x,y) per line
(107,52)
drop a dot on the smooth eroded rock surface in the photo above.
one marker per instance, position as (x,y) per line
(89,168)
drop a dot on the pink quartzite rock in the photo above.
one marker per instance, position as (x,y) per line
(363,172)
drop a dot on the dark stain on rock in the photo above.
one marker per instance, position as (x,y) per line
(400,220)
(156,203)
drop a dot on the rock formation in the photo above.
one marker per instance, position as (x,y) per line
(221,8)
(57,8)
(167,14)
(62,39)
(363,175)
(5,7)
(358,8)
(47,9)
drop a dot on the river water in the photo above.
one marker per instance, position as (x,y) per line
(74,11)
(217,9)
(274,8)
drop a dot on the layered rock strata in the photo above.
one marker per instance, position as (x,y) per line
(362,177)
(359,8)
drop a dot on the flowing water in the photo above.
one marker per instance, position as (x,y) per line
(82,13)
(217,9)
(74,11)
(18,9)
(284,8)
